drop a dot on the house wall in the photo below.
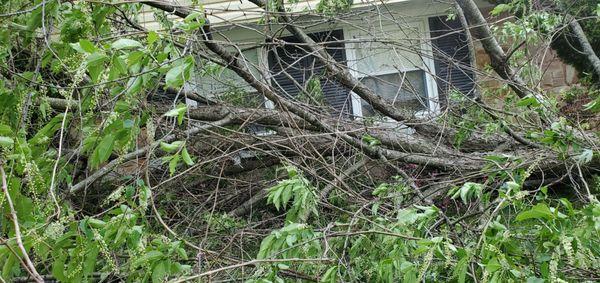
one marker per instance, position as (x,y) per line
(237,23)
(404,22)
(224,12)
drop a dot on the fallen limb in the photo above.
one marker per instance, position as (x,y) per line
(140,152)
(585,44)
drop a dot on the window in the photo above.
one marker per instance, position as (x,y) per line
(402,89)
(391,61)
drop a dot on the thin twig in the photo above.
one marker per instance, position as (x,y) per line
(13,214)
(247,263)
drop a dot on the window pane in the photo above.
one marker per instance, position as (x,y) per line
(387,49)
(404,90)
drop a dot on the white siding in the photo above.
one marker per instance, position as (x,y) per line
(221,12)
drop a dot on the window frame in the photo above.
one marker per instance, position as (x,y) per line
(428,69)
(378,75)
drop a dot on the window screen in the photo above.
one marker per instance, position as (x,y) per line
(404,90)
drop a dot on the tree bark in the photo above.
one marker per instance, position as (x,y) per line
(481,31)
(585,44)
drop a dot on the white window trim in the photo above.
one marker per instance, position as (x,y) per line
(263,64)
(428,69)
(432,88)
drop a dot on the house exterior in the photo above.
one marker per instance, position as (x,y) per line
(408,51)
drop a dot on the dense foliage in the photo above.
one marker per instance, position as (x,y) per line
(82,86)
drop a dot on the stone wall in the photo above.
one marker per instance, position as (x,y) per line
(557,76)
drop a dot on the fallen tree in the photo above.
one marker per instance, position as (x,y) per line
(98,133)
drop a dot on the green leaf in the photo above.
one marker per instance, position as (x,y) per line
(149,257)
(87,46)
(468,191)
(58,267)
(96,223)
(160,271)
(90,259)
(117,68)
(95,64)
(291,239)
(593,105)
(265,247)
(370,140)
(186,157)
(499,9)
(512,186)
(493,265)
(286,195)
(178,74)
(102,151)
(276,196)
(152,37)
(193,21)
(8,266)
(293,227)
(174,77)
(6,141)
(540,210)
(171,147)
(528,101)
(96,58)
(43,135)
(119,64)
(534,279)
(134,58)
(173,164)
(330,275)
(134,85)
(5,130)
(178,112)
(193,17)
(77,47)
(126,43)
(460,271)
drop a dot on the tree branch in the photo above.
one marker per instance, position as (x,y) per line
(481,31)
(585,44)
(140,152)
(13,215)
